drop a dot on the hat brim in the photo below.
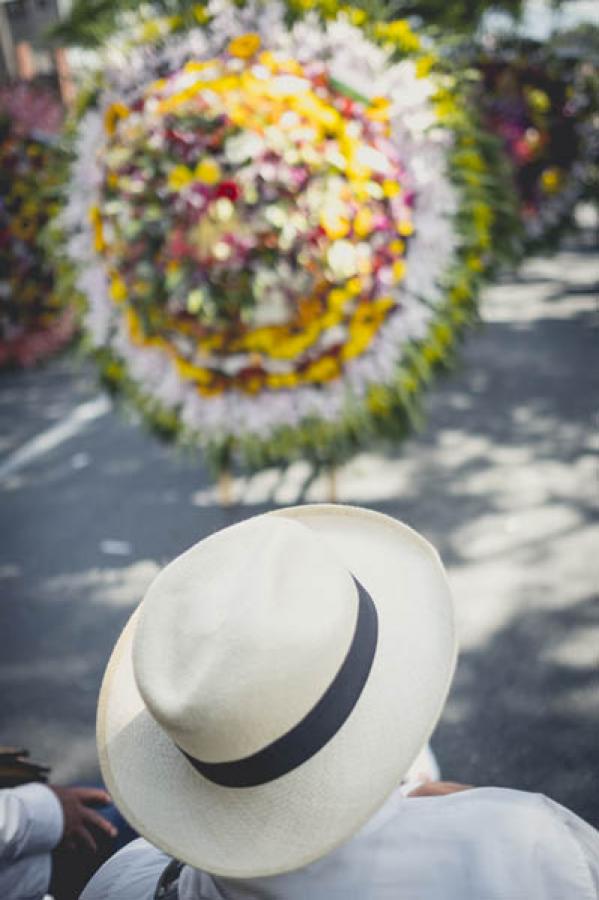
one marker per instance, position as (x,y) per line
(290,822)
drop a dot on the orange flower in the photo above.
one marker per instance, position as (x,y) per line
(245,45)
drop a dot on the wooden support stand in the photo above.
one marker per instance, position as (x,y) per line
(225,488)
(332,479)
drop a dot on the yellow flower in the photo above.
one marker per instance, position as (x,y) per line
(193,66)
(356,16)
(284,380)
(324,369)
(443,334)
(482,215)
(113,114)
(472,178)
(337,298)
(335,225)
(363,222)
(200,14)
(188,371)
(328,8)
(399,269)
(354,286)
(405,228)
(397,246)
(207,171)
(390,188)
(379,109)
(424,65)
(95,218)
(445,105)
(118,289)
(253,385)
(432,353)
(359,340)
(179,177)
(474,263)
(538,99)
(113,371)
(151,31)
(159,85)
(470,160)
(399,33)
(551,180)
(460,293)
(245,45)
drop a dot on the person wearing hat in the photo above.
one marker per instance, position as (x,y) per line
(264,703)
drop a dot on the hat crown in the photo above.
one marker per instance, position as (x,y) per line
(240,636)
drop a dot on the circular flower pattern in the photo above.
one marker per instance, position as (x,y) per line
(274,208)
(278,228)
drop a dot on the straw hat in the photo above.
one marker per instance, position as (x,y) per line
(274,686)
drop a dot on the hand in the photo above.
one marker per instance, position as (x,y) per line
(439,789)
(80,820)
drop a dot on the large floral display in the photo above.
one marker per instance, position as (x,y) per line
(32,323)
(279,223)
(537,107)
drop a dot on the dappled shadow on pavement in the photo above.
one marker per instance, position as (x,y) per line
(523,709)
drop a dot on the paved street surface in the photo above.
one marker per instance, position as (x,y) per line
(503,479)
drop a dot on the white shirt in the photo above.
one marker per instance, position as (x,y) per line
(31,825)
(481,844)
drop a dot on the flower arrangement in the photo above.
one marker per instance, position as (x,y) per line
(279,220)
(530,101)
(575,51)
(33,324)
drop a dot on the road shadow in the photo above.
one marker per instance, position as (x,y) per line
(523,713)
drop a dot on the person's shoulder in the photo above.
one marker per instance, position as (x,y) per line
(476,811)
(496,801)
(492,812)
(501,797)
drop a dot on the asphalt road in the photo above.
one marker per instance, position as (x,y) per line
(503,479)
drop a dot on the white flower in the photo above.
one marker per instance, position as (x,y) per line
(342,259)
(243,146)
(374,159)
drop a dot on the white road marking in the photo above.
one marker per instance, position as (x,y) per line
(48,440)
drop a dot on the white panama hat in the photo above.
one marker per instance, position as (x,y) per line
(274,686)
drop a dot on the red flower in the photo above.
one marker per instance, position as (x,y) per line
(229,190)
(178,246)
(347,107)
